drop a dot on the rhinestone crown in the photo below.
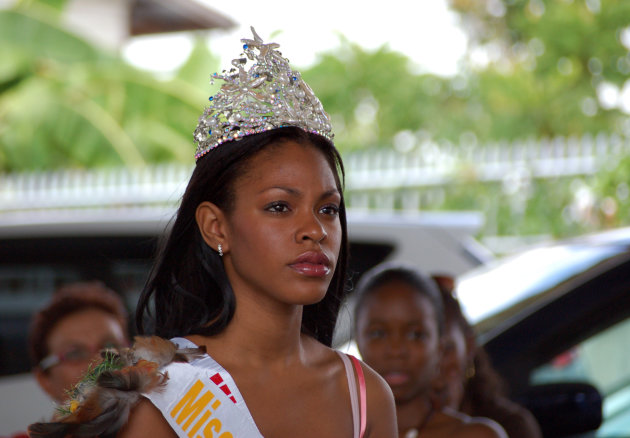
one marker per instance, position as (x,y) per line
(260,92)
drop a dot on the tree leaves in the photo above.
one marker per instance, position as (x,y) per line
(66,103)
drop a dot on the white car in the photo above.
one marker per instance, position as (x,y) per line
(46,245)
(555,320)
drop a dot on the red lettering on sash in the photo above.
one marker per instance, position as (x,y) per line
(218,380)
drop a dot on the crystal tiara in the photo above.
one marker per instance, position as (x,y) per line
(260,93)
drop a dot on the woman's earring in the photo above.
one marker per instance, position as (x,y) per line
(220,250)
(470,371)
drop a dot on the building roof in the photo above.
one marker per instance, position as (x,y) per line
(157,16)
(111,23)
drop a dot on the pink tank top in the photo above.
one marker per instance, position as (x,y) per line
(357,398)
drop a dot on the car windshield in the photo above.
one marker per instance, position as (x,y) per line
(493,288)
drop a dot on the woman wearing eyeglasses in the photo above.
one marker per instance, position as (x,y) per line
(67,334)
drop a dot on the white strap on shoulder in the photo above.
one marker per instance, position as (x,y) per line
(354,398)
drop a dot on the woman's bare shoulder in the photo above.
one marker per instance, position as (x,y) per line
(381,411)
(146,420)
(475,427)
(461,425)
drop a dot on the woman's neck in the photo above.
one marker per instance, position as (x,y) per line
(413,414)
(266,334)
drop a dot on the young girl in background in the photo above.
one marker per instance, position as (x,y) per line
(469,383)
(399,320)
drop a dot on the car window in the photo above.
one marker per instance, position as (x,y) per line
(603,361)
(26,288)
(482,291)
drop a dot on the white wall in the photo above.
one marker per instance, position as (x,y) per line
(22,403)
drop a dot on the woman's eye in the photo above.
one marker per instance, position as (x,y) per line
(376,334)
(277,207)
(416,335)
(331,210)
(77,354)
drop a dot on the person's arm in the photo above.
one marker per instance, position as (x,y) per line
(146,420)
(381,411)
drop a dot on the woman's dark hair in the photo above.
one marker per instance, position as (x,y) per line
(188,291)
(453,313)
(386,273)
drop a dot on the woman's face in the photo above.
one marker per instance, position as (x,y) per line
(77,339)
(455,353)
(454,363)
(283,231)
(397,335)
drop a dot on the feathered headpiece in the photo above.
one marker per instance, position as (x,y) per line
(99,405)
(261,92)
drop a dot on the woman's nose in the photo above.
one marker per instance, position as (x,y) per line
(311,229)
(397,346)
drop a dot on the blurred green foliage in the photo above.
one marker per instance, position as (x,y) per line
(67,103)
(374,95)
(560,53)
(550,65)
(535,69)
(527,75)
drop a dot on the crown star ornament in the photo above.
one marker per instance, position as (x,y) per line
(260,93)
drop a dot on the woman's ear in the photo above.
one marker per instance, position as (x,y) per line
(212,225)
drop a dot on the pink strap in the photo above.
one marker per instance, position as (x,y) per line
(354,394)
(362,393)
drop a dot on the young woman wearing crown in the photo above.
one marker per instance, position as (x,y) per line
(253,273)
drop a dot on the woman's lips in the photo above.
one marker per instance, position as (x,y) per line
(396,378)
(311,264)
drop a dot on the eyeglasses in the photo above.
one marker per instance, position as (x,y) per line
(74,355)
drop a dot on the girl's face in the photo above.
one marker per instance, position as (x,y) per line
(454,364)
(397,335)
(455,355)
(283,231)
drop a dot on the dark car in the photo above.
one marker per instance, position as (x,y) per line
(555,320)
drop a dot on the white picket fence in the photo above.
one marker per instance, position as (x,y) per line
(381,178)
(432,164)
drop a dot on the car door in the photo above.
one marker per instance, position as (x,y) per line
(581,335)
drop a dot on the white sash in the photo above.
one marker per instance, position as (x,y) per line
(201,400)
